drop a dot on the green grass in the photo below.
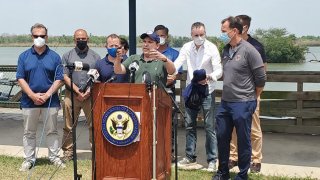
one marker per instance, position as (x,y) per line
(9,169)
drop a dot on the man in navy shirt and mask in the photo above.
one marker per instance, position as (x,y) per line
(105,65)
(40,75)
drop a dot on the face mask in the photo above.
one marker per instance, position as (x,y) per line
(82,45)
(199,40)
(39,42)
(162,41)
(225,38)
(112,52)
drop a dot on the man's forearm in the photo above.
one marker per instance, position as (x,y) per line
(119,68)
(259,91)
(170,67)
(54,87)
(25,87)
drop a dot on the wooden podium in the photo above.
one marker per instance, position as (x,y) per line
(133,161)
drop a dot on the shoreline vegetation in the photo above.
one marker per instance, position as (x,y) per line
(280,45)
(99,41)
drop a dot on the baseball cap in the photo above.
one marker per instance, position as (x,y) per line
(152,35)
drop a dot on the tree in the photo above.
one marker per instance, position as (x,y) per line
(280,46)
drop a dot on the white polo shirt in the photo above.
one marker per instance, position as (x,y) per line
(207,57)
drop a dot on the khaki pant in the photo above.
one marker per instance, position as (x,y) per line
(256,139)
(67,142)
(31,117)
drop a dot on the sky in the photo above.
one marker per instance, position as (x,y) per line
(103,17)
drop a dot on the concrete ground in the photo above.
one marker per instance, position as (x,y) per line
(293,155)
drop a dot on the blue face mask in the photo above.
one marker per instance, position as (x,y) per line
(112,52)
(225,38)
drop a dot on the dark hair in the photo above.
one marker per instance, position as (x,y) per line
(234,22)
(197,25)
(161,27)
(113,36)
(38,25)
(124,43)
(245,20)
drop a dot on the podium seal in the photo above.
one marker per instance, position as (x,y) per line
(120,125)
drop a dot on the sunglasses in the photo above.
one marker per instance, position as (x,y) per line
(36,36)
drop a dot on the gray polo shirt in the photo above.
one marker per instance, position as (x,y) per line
(243,71)
(89,56)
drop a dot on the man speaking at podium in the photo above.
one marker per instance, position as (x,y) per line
(151,60)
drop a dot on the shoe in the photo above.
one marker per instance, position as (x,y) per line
(185,162)
(211,167)
(220,177)
(59,163)
(232,164)
(255,167)
(26,165)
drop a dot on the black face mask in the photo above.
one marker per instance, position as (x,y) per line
(82,45)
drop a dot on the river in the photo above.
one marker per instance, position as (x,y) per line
(9,56)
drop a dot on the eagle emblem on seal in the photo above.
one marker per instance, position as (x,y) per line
(120,127)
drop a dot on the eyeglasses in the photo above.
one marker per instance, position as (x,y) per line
(36,36)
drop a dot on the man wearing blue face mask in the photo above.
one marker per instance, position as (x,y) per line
(82,100)
(243,81)
(105,65)
(200,54)
(256,132)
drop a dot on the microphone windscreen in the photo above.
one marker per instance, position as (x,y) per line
(93,73)
(85,67)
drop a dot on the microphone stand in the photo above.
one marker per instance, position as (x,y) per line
(132,76)
(76,176)
(154,133)
(175,124)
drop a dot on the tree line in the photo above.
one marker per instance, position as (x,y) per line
(280,45)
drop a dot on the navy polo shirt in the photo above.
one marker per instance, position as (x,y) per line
(256,44)
(172,54)
(39,71)
(106,71)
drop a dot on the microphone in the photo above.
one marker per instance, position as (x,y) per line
(133,67)
(113,78)
(146,78)
(77,66)
(94,74)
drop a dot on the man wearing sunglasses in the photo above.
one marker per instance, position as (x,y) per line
(82,100)
(40,75)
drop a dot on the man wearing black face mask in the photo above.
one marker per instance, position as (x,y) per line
(81,99)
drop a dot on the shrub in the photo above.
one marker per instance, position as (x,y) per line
(280,46)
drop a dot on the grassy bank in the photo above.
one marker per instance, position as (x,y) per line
(9,169)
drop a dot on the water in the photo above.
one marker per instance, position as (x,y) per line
(9,56)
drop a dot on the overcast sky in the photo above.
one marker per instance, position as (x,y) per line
(103,17)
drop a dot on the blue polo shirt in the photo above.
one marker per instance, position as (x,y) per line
(39,71)
(172,54)
(259,47)
(106,71)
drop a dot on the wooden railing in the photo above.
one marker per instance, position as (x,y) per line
(295,111)
(291,111)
